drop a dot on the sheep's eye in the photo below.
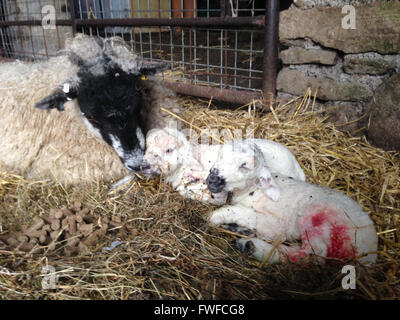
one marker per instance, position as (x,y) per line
(169,150)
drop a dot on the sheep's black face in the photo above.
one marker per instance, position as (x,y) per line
(105,87)
(111,104)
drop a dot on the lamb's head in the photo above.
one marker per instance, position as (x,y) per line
(166,151)
(239,166)
(105,87)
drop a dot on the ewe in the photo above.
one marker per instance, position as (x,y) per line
(101,125)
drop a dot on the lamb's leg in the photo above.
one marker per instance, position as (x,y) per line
(260,249)
(267,225)
(233,227)
(236,214)
(201,194)
(312,246)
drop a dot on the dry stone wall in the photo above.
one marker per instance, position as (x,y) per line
(348,66)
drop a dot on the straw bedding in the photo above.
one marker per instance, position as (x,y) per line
(165,249)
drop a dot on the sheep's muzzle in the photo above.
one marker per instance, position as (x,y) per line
(215,182)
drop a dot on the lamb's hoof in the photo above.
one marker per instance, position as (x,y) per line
(237,229)
(122,183)
(245,245)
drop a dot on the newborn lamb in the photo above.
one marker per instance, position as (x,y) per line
(186,165)
(276,208)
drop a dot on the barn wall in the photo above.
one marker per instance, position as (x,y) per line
(347,66)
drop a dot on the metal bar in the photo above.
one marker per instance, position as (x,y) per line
(58,34)
(221,59)
(195,53)
(228,13)
(190,53)
(159,31)
(72,21)
(202,73)
(233,96)
(183,51)
(256,21)
(19,29)
(222,5)
(271,40)
(44,34)
(110,13)
(227,22)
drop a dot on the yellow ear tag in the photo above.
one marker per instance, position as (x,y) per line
(143,77)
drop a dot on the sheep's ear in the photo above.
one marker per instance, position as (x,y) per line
(53,101)
(268,184)
(57,99)
(150,68)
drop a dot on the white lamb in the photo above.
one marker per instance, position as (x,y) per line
(186,165)
(276,209)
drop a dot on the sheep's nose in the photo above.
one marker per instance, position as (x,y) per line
(215,182)
(145,167)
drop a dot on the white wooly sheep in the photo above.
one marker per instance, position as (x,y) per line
(40,144)
(187,165)
(274,208)
(99,127)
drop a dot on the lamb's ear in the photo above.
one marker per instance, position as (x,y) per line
(176,137)
(268,184)
(193,163)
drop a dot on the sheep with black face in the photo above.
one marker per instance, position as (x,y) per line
(97,80)
(107,94)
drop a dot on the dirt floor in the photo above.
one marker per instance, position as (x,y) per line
(166,250)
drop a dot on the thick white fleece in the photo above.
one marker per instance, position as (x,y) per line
(328,224)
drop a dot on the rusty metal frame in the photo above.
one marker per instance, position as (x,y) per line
(269,22)
(217,22)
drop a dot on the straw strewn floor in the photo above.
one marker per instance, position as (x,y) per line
(168,250)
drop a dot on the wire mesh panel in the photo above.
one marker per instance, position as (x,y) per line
(230,58)
(32,42)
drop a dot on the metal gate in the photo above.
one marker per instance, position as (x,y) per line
(225,49)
